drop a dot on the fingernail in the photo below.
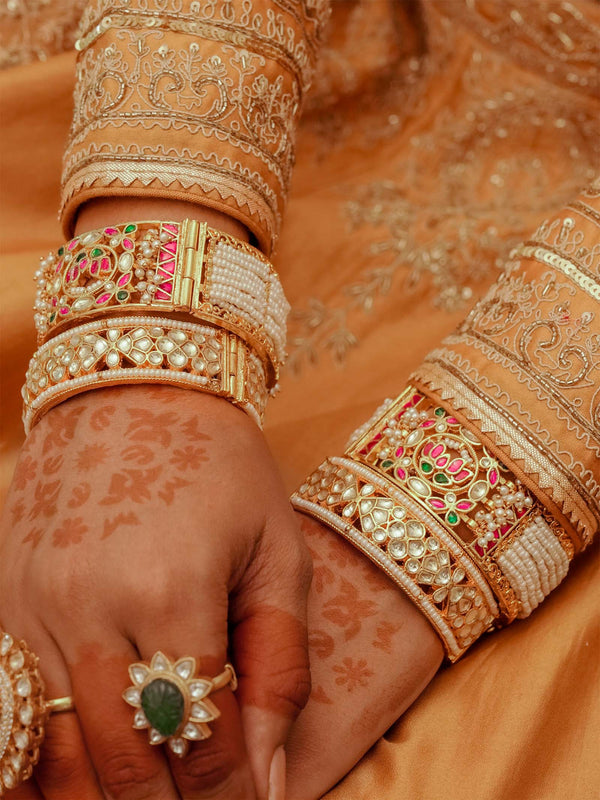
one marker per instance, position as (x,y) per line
(277,775)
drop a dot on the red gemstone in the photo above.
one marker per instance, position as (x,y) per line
(94,267)
(102,299)
(161,295)
(105,264)
(110,231)
(464,473)
(124,279)
(64,310)
(171,246)
(455,465)
(128,244)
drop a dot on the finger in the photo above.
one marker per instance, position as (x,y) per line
(64,769)
(270,643)
(128,768)
(215,767)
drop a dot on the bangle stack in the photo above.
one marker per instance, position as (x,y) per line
(101,305)
(421,496)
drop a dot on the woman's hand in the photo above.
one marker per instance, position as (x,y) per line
(372,653)
(152,518)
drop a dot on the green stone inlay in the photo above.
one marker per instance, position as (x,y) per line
(452,517)
(426,466)
(163,706)
(130,228)
(53,316)
(440,478)
(61,251)
(122,295)
(387,463)
(80,255)
(439,412)
(96,252)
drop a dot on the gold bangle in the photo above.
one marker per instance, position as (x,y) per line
(422,497)
(161,267)
(411,547)
(115,351)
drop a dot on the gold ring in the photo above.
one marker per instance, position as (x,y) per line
(172,702)
(24,711)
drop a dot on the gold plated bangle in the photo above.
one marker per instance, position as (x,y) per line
(422,497)
(161,267)
(410,546)
(134,349)
(424,449)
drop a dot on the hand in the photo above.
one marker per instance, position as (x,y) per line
(152,518)
(372,653)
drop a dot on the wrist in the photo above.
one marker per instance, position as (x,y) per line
(102,211)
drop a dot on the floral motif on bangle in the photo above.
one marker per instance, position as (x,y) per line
(429,453)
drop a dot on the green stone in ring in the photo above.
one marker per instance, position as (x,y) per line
(163,704)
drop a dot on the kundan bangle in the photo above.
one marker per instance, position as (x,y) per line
(135,349)
(413,467)
(148,267)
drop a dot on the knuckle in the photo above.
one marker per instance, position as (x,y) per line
(61,764)
(207,766)
(289,690)
(124,773)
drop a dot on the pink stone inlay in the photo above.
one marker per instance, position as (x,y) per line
(171,246)
(73,243)
(160,295)
(124,279)
(455,465)
(493,477)
(64,310)
(171,228)
(111,231)
(83,263)
(54,301)
(94,268)
(105,264)
(462,475)
(127,244)
(464,505)
(437,504)
(102,299)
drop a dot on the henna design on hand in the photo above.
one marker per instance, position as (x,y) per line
(17,511)
(385,633)
(167,493)
(189,457)
(46,496)
(52,464)
(62,422)
(34,536)
(123,518)
(71,531)
(91,456)
(321,644)
(348,609)
(25,472)
(147,426)
(192,434)
(353,673)
(140,453)
(319,695)
(100,417)
(131,484)
(80,495)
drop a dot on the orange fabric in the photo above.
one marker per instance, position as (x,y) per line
(422,162)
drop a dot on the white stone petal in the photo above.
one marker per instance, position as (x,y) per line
(178,746)
(199,689)
(160,662)
(200,713)
(138,673)
(185,667)
(193,732)
(132,696)
(155,737)
(139,720)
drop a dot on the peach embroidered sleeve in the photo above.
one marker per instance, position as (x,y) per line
(193,100)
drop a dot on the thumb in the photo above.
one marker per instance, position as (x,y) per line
(270,644)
